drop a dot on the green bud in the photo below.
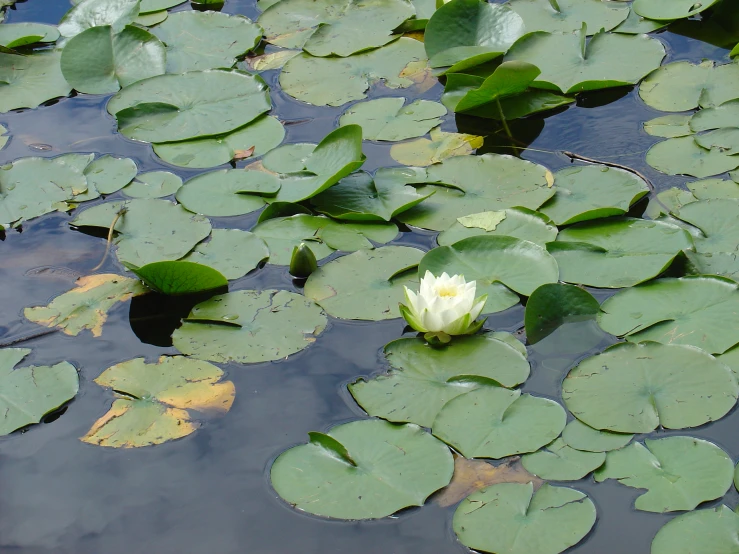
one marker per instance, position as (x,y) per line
(303,261)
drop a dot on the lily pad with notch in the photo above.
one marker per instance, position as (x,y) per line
(520,223)
(29,81)
(232,252)
(388,119)
(567,16)
(583,437)
(558,461)
(153,184)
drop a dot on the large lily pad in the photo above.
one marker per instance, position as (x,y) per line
(97,13)
(617,253)
(154,402)
(87,305)
(555,304)
(190,105)
(710,530)
(14,35)
(206,40)
(607,60)
(493,422)
(678,472)
(682,86)
(233,252)
(684,156)
(99,61)
(439,147)
(255,139)
(423,378)
(362,470)
(465,33)
(28,81)
(334,27)
(321,234)
(227,192)
(479,183)
(582,437)
(512,518)
(336,81)
(498,264)
(592,192)
(367,284)
(29,393)
(560,462)
(520,223)
(249,326)
(633,388)
(389,120)
(361,197)
(698,311)
(568,15)
(668,10)
(147,230)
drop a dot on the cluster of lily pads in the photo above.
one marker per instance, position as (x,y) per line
(188,83)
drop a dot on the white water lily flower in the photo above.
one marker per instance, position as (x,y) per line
(444,306)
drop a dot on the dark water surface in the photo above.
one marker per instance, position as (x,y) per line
(210,492)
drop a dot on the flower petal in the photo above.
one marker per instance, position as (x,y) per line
(411,319)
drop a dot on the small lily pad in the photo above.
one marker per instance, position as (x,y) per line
(14,35)
(633,388)
(669,126)
(388,119)
(250,326)
(520,223)
(154,184)
(362,470)
(176,278)
(438,148)
(678,472)
(29,393)
(154,402)
(668,10)
(233,252)
(227,192)
(585,438)
(560,462)
(555,304)
(684,156)
(107,174)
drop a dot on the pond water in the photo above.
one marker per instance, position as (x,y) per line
(210,492)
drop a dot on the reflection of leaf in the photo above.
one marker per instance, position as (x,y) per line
(154,401)
(87,306)
(29,393)
(473,475)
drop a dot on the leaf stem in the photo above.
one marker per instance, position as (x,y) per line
(118,215)
(503,119)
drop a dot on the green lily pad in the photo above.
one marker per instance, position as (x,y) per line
(684,156)
(710,530)
(322,234)
(585,438)
(154,402)
(567,16)
(289,158)
(31,187)
(87,305)
(367,284)
(554,304)
(233,252)
(634,388)
(97,13)
(4,136)
(250,326)
(560,462)
(520,223)
(635,24)
(255,139)
(592,192)
(227,192)
(512,518)
(196,104)
(206,40)
(150,6)
(682,86)
(498,264)
(493,422)
(362,470)
(616,253)
(668,10)
(176,278)
(388,119)
(108,174)
(332,28)
(669,126)
(719,117)
(422,379)
(698,311)
(465,33)
(14,35)
(438,148)
(99,61)
(29,393)
(272,60)
(678,472)
(479,183)
(336,81)
(29,81)
(151,19)
(154,184)
(361,197)
(570,65)
(725,140)
(149,230)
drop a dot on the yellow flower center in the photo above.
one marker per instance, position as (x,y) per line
(447,292)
